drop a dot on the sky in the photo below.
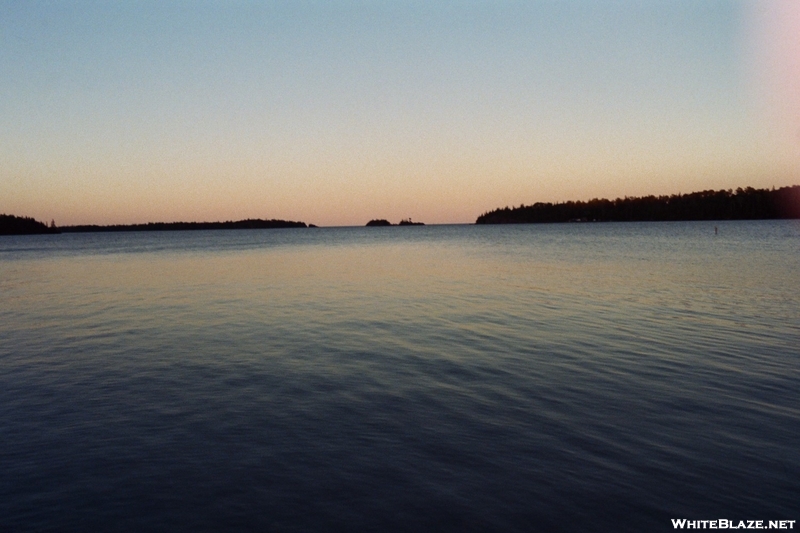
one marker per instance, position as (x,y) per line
(335,113)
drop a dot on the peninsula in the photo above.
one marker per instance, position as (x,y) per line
(742,204)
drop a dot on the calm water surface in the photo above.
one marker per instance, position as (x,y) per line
(570,377)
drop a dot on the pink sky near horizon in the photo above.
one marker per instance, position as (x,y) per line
(338,115)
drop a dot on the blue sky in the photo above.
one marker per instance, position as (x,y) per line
(338,112)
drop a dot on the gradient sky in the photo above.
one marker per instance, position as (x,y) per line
(334,113)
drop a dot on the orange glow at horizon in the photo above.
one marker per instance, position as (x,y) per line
(438,115)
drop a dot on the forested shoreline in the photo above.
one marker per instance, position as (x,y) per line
(14,225)
(741,204)
(184,226)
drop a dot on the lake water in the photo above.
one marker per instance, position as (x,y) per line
(566,377)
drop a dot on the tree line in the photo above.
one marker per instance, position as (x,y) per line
(183,226)
(384,222)
(13,225)
(741,204)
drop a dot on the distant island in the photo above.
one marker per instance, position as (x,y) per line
(251,223)
(384,222)
(742,204)
(13,225)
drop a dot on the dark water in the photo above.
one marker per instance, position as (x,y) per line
(578,377)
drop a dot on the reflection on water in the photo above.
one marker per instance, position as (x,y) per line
(588,376)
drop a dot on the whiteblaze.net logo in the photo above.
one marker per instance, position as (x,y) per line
(722,523)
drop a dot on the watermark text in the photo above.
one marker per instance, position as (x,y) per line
(722,523)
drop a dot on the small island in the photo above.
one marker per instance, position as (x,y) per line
(384,222)
(742,204)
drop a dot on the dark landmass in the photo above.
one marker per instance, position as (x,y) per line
(384,222)
(742,204)
(185,226)
(13,225)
